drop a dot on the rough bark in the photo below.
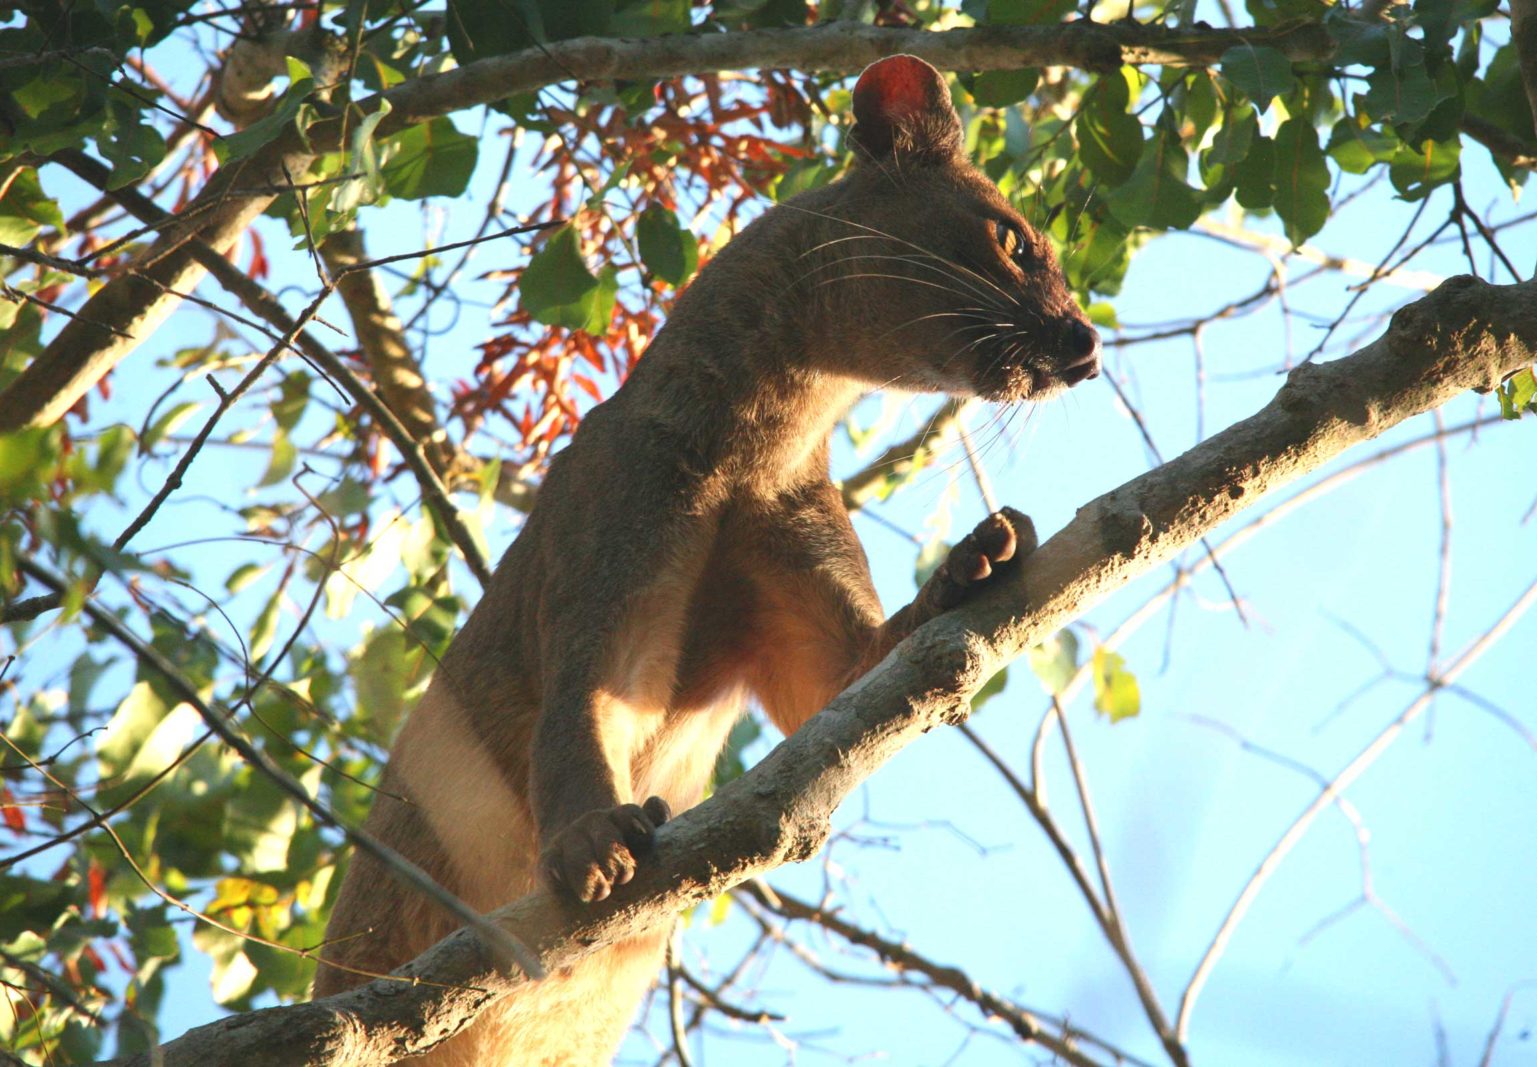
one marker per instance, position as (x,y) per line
(1465,335)
(127,309)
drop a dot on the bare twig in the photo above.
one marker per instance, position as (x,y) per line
(1336,785)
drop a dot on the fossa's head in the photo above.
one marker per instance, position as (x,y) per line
(933,280)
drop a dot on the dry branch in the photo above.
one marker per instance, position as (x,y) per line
(1465,335)
(127,309)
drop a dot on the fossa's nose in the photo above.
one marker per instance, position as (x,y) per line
(1083,346)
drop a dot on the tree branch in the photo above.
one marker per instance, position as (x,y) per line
(382,342)
(267,307)
(135,303)
(1465,335)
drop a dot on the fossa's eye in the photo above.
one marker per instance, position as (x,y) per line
(1013,243)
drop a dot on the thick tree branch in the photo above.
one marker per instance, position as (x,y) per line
(127,309)
(1465,335)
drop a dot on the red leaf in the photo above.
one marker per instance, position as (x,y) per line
(96,880)
(589,386)
(259,266)
(14,817)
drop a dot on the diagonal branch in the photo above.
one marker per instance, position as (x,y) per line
(1465,335)
(382,343)
(134,304)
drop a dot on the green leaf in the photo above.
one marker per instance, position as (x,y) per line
(760,14)
(131,724)
(1271,12)
(293,397)
(1116,693)
(281,465)
(1414,173)
(1261,74)
(267,129)
(730,763)
(667,249)
(1403,95)
(1021,12)
(559,290)
(1301,180)
(158,749)
(364,183)
(25,209)
(649,18)
(1055,661)
(1102,314)
(994,686)
(1193,96)
(802,175)
(1518,395)
(383,673)
(244,575)
(266,626)
(478,29)
(1229,147)
(929,558)
(1357,150)
(166,425)
(232,974)
(1157,195)
(429,159)
(1360,43)
(1256,175)
(131,146)
(1000,88)
(150,933)
(720,907)
(1101,249)
(1109,139)
(30,905)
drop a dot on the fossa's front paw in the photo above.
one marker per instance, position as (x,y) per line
(600,850)
(1002,536)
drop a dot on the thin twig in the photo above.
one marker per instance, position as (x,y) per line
(1341,781)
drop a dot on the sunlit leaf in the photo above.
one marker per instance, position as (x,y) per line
(1414,172)
(167,424)
(1055,661)
(1116,693)
(429,159)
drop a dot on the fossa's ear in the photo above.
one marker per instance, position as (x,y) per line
(902,111)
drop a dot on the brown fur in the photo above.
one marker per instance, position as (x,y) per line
(688,554)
